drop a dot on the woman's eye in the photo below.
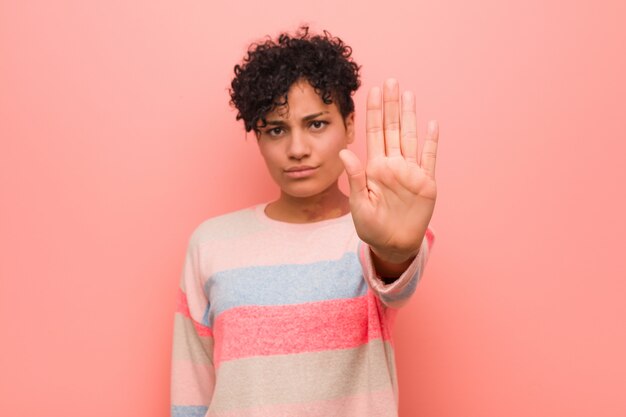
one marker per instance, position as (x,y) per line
(318,124)
(275,131)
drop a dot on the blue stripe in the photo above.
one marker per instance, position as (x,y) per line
(285,284)
(205,316)
(189,410)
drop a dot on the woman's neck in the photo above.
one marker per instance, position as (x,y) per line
(329,204)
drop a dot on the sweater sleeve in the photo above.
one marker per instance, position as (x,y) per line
(193,373)
(398,292)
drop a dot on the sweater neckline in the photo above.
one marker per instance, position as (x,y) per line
(264,218)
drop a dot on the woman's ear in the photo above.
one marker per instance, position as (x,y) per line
(348,121)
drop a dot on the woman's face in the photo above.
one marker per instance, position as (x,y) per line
(301,143)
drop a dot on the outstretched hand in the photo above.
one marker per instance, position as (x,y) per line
(393,197)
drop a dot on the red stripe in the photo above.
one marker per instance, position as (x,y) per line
(182,307)
(431,237)
(273,330)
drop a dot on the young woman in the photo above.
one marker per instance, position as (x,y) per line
(286,308)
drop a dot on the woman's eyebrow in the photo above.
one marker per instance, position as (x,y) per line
(313,116)
(275,122)
(304,119)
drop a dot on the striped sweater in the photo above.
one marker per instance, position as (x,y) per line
(280,319)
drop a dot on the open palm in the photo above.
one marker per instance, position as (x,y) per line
(393,197)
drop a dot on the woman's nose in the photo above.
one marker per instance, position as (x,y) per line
(298,146)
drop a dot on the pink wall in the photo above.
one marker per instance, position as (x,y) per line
(116,140)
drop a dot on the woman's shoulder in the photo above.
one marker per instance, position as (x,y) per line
(226,226)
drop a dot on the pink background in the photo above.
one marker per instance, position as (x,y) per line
(117,140)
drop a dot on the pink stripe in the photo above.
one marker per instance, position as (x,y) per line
(230,250)
(182,307)
(273,330)
(371,404)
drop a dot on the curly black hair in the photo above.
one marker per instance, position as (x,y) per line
(269,69)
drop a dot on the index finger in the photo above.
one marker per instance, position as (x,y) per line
(429,151)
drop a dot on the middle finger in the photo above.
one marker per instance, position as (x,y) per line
(391,117)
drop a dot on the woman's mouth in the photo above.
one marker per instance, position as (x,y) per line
(301,171)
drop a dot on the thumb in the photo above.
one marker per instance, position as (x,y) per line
(356,174)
